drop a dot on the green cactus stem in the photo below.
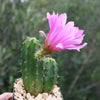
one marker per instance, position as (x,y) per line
(50,74)
(39,75)
(30,69)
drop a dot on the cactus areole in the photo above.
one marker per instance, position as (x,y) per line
(39,75)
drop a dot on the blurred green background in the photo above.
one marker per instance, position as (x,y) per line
(79,72)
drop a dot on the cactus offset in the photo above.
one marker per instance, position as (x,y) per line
(39,75)
(50,74)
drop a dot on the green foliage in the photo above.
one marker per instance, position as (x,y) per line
(19,20)
(39,75)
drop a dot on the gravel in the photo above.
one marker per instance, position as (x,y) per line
(21,94)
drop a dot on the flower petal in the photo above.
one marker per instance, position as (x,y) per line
(42,32)
(57,48)
(52,19)
(62,19)
(60,45)
(71,47)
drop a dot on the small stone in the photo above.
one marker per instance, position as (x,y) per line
(51,98)
(29,97)
(45,95)
(56,89)
(20,98)
(39,96)
(17,94)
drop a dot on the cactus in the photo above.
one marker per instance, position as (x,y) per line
(39,75)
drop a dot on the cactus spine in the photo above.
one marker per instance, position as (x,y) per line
(39,75)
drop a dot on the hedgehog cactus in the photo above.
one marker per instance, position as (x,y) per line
(39,75)
(39,72)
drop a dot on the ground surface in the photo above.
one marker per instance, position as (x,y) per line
(20,93)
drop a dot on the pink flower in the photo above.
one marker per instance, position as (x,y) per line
(61,35)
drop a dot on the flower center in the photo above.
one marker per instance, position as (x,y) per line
(43,52)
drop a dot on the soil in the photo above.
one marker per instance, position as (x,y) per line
(20,93)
